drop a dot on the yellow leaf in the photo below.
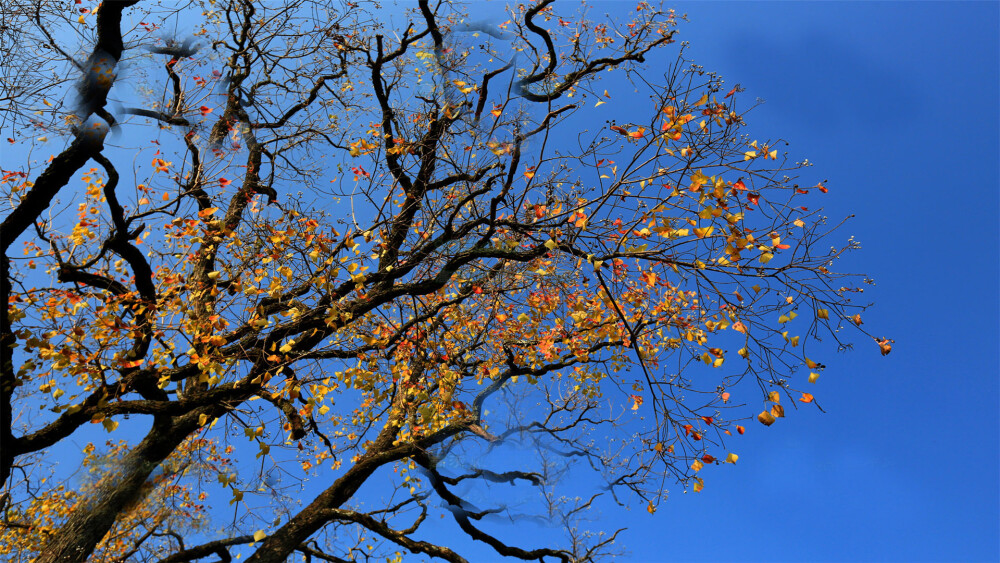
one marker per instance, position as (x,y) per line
(109,424)
(202,419)
(765,418)
(704,232)
(811,364)
(823,314)
(285,349)
(213,275)
(778,411)
(731,458)
(743,352)
(813,377)
(551,244)
(749,154)
(259,535)
(699,484)
(774,397)
(702,100)
(696,465)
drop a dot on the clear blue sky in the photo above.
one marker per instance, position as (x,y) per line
(895,103)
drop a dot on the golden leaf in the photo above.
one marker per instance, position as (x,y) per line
(766,418)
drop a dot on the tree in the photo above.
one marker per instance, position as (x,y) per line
(368,253)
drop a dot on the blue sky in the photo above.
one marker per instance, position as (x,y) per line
(896,104)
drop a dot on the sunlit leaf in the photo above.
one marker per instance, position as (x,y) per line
(766,418)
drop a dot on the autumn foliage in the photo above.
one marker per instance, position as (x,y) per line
(302,252)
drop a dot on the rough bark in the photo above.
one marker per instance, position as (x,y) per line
(77,538)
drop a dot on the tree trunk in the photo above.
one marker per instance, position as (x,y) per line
(90,522)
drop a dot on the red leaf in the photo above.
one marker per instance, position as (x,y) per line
(753,197)
(731,92)
(707,458)
(224,182)
(740,429)
(205,110)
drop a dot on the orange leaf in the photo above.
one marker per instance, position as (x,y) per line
(638,134)
(741,429)
(806,398)
(725,397)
